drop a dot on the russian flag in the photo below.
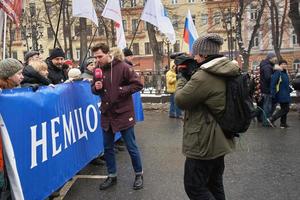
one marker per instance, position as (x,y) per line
(190,33)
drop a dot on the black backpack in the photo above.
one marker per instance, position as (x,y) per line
(239,108)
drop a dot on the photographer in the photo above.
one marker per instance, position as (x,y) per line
(201,94)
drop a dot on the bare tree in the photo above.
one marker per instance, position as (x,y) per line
(278,22)
(245,51)
(295,17)
(157,55)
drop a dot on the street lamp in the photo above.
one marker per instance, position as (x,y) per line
(228,17)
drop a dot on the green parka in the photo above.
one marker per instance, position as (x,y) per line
(202,136)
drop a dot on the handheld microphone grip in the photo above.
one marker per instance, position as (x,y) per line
(98,75)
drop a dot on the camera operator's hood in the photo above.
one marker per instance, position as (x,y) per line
(222,67)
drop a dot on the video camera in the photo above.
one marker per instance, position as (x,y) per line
(189,63)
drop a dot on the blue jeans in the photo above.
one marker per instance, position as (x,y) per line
(174,110)
(267,107)
(109,152)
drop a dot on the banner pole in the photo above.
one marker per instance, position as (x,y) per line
(58,21)
(4,36)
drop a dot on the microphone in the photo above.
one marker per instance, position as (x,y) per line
(98,75)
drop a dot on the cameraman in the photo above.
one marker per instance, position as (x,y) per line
(201,94)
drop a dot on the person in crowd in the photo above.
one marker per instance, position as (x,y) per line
(31,56)
(119,82)
(128,56)
(35,74)
(88,66)
(280,91)
(56,69)
(174,111)
(266,71)
(203,96)
(10,77)
(74,74)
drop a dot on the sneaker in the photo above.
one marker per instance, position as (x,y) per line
(138,182)
(270,123)
(109,182)
(284,126)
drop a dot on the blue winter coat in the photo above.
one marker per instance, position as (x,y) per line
(283,94)
(266,71)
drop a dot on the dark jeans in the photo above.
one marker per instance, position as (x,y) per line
(267,107)
(203,179)
(174,110)
(282,113)
(109,152)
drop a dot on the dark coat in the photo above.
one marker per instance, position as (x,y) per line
(56,75)
(283,94)
(119,83)
(266,71)
(31,76)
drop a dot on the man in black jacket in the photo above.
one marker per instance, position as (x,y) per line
(57,71)
(266,71)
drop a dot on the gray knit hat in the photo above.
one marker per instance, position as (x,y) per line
(30,54)
(9,67)
(209,44)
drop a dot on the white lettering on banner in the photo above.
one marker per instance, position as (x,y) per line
(54,134)
(87,116)
(68,129)
(35,143)
(69,132)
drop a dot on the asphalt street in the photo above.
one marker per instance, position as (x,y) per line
(264,166)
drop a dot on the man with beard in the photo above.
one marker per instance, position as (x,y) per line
(56,68)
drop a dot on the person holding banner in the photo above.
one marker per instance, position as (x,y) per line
(115,88)
(10,77)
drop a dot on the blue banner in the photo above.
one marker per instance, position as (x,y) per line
(49,135)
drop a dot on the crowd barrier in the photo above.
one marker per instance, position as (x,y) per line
(49,135)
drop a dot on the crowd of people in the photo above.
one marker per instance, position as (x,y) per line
(197,96)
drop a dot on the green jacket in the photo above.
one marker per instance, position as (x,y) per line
(202,136)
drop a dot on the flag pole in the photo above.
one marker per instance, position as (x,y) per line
(60,10)
(135,32)
(4,36)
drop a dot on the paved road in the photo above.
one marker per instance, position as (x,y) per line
(265,166)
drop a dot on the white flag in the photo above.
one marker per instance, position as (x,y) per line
(155,13)
(85,8)
(112,11)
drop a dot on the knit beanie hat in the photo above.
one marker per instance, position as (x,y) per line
(57,52)
(88,61)
(209,44)
(74,73)
(127,52)
(9,67)
(271,55)
(29,54)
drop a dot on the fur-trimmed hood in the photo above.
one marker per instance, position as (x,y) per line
(221,66)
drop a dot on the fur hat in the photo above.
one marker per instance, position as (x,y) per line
(127,52)
(74,74)
(30,54)
(57,52)
(9,67)
(209,44)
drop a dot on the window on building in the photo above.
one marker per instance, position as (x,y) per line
(174,1)
(50,33)
(256,40)
(78,54)
(191,1)
(176,46)
(124,25)
(175,21)
(15,54)
(136,49)
(147,48)
(122,3)
(13,35)
(101,30)
(204,19)
(294,38)
(49,7)
(217,18)
(253,12)
(32,9)
(89,30)
(194,19)
(296,64)
(133,3)
(77,30)
(134,24)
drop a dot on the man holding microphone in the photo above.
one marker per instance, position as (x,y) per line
(115,86)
